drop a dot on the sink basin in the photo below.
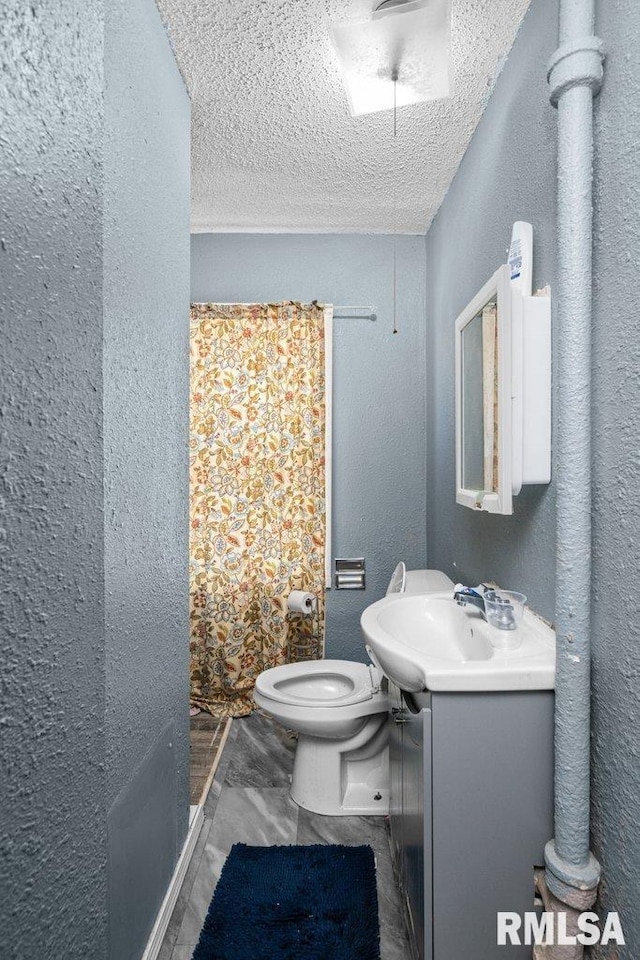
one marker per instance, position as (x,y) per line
(432,643)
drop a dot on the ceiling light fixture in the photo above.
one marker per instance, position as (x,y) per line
(407,37)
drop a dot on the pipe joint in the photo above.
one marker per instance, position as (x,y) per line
(574,885)
(577,63)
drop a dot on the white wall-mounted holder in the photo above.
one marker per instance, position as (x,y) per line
(503,394)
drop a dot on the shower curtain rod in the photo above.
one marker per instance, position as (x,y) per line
(339,313)
(348,313)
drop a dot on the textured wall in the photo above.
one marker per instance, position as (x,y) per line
(616,411)
(52,791)
(94,257)
(507,174)
(379,389)
(146,306)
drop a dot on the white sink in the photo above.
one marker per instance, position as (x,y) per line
(432,643)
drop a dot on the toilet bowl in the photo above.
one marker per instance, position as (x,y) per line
(341,764)
(340,713)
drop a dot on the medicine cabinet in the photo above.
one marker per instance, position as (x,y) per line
(503,394)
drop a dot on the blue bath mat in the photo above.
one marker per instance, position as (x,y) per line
(293,903)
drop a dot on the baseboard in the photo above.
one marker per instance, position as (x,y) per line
(164,914)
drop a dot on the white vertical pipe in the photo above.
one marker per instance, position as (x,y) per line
(577,19)
(573,475)
(575,75)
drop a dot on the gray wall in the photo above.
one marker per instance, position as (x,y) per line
(508,173)
(52,779)
(146,305)
(616,411)
(379,388)
(94,176)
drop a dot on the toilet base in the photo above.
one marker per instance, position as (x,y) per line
(350,781)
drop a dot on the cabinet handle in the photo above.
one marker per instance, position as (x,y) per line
(396,713)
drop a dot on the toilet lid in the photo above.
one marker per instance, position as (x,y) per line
(318,683)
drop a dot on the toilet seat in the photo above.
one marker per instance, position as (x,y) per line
(318,683)
(339,712)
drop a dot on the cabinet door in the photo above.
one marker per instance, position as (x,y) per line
(413,814)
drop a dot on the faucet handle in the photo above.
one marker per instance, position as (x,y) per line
(464,591)
(470,595)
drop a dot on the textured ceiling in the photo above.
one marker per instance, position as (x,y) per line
(274,147)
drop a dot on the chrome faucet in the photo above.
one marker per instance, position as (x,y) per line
(473,596)
(502,613)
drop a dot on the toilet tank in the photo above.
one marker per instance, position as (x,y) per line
(418,581)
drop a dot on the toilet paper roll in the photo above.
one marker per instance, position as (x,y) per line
(299,601)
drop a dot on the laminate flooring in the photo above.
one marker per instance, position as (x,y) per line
(249,802)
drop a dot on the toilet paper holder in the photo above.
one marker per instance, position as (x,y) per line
(302,602)
(349,573)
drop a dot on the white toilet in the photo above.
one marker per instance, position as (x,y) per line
(339,709)
(342,759)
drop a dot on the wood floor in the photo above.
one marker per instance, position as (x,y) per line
(206,739)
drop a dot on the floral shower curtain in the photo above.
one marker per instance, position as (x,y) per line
(257,472)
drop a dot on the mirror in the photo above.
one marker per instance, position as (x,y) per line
(472,406)
(483,398)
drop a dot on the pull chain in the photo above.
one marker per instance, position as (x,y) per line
(394,77)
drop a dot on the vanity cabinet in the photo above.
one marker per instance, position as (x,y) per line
(470,813)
